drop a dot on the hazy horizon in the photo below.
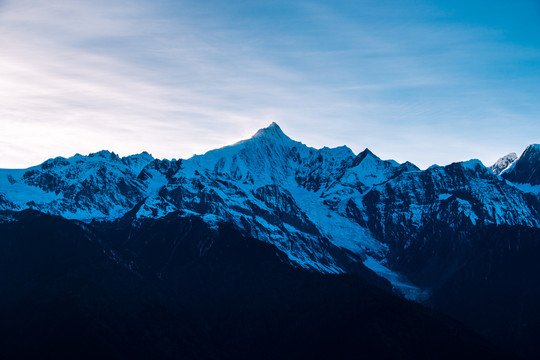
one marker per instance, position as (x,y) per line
(121,155)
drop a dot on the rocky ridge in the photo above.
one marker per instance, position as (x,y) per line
(327,209)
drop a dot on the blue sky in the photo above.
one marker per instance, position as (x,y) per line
(424,81)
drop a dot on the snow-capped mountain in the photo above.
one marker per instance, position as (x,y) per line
(503,163)
(327,209)
(81,187)
(525,169)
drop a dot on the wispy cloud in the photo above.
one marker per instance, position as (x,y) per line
(80,76)
(177,78)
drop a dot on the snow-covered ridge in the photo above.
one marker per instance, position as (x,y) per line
(503,163)
(100,185)
(525,169)
(326,208)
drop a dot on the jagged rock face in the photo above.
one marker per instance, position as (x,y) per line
(526,169)
(503,163)
(99,185)
(410,210)
(325,208)
(459,190)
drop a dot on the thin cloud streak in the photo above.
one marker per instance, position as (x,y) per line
(80,77)
(69,89)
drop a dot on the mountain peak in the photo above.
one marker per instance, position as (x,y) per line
(503,163)
(525,169)
(471,164)
(141,156)
(533,148)
(105,154)
(273,131)
(360,157)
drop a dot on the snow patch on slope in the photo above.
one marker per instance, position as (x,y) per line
(399,282)
(342,231)
(18,192)
(502,164)
(528,188)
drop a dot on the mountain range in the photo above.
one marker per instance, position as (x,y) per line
(462,239)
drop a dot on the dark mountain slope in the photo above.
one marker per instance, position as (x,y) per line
(294,313)
(67,295)
(496,288)
(63,296)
